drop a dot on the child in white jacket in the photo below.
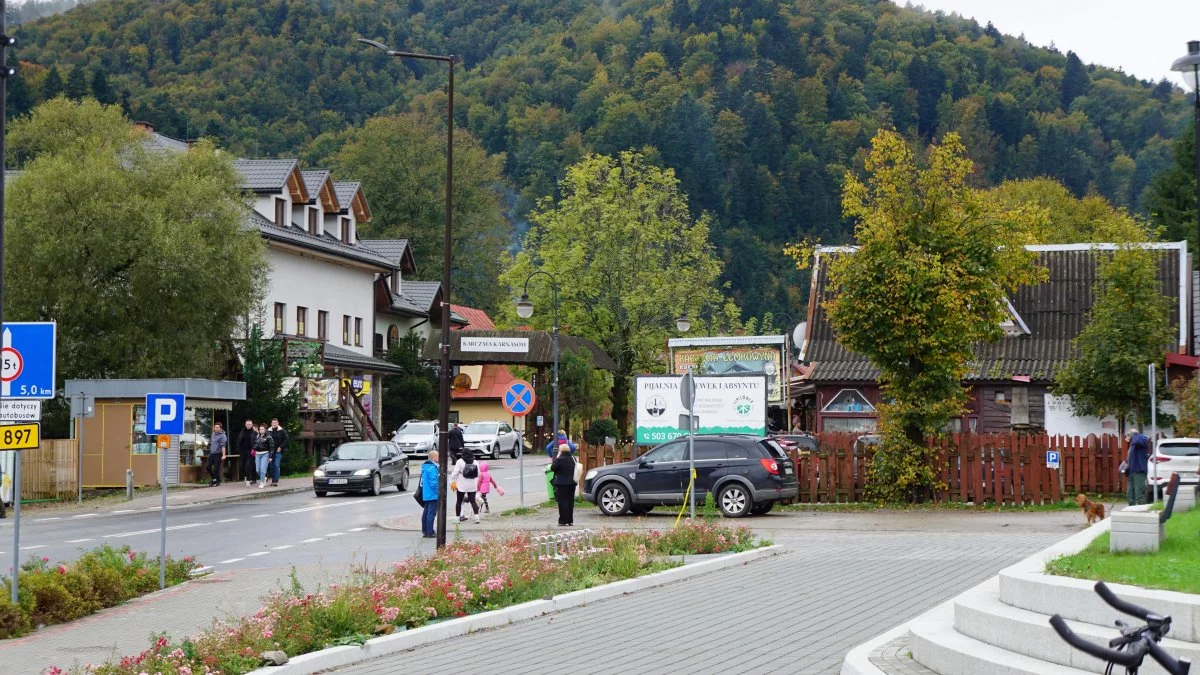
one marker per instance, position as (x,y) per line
(465,479)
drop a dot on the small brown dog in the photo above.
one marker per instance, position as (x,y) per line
(1094,511)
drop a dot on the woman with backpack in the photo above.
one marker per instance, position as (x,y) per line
(465,477)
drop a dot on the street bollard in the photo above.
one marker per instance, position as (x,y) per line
(128,485)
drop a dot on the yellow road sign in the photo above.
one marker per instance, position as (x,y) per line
(20,436)
(164,442)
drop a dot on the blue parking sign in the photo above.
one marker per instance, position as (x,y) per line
(1051,459)
(164,414)
(27,360)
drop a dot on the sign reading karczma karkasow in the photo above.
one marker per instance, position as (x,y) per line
(726,404)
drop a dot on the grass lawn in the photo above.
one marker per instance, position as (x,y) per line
(1176,566)
(1064,505)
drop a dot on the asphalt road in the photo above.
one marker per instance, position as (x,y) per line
(291,529)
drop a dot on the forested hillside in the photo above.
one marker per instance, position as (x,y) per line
(760,106)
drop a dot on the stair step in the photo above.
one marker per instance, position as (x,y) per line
(936,645)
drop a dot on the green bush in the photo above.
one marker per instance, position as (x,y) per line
(600,430)
(13,621)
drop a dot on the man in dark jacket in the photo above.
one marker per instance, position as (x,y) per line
(245,444)
(455,443)
(1138,463)
(218,446)
(280,436)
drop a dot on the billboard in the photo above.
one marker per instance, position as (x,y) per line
(733,356)
(726,404)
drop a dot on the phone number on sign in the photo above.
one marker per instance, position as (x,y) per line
(658,436)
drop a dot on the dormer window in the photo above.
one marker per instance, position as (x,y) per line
(280,212)
(345,227)
(314,221)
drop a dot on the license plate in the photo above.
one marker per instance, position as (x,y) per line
(337,481)
(788,471)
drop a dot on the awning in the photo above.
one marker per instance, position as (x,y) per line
(344,358)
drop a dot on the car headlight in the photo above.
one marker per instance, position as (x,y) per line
(590,474)
(362,472)
(318,474)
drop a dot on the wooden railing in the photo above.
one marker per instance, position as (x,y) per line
(352,405)
(1007,468)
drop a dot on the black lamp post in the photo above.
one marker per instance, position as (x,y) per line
(683,324)
(525,310)
(1188,67)
(444,347)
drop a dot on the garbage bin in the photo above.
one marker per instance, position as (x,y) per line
(549,482)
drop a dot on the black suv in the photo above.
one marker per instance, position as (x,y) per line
(745,474)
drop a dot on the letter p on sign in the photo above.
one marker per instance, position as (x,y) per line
(164,414)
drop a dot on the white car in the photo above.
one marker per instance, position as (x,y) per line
(1174,455)
(417,437)
(492,438)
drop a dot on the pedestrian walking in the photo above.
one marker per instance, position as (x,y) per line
(218,448)
(264,447)
(245,446)
(466,480)
(429,494)
(486,483)
(1137,463)
(552,446)
(563,467)
(280,436)
(455,443)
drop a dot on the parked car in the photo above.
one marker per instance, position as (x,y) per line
(417,437)
(802,443)
(745,474)
(1174,455)
(491,438)
(362,466)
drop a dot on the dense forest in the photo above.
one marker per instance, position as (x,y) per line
(760,106)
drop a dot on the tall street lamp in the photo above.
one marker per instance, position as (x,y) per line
(525,310)
(1188,67)
(444,371)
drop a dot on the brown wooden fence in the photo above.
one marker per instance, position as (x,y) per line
(49,472)
(1008,468)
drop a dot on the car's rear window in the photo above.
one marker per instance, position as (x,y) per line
(1179,449)
(773,449)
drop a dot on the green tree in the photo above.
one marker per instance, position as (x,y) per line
(1187,398)
(412,394)
(264,370)
(52,84)
(1075,82)
(101,90)
(1128,327)
(152,263)
(401,162)
(1171,197)
(1067,219)
(77,84)
(934,262)
(627,255)
(583,389)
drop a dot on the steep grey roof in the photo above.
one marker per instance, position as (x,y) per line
(345,192)
(1055,311)
(344,357)
(156,141)
(392,248)
(264,174)
(420,293)
(313,180)
(298,236)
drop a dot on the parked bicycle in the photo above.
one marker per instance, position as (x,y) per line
(1135,642)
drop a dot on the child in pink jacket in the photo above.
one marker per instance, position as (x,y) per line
(485,485)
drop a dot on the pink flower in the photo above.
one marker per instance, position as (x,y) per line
(45,559)
(62,569)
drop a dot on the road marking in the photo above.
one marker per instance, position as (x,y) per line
(189,525)
(86,515)
(44,520)
(528,475)
(32,548)
(309,541)
(255,555)
(77,541)
(231,560)
(392,496)
(262,515)
(325,506)
(356,529)
(335,534)
(280,548)
(133,534)
(124,511)
(228,520)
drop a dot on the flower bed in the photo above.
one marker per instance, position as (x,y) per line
(464,578)
(103,577)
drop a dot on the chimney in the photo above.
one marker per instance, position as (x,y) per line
(144,126)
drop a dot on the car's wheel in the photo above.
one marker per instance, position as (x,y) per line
(613,499)
(495,451)
(516,450)
(762,508)
(641,510)
(734,500)
(402,486)
(320,493)
(375,486)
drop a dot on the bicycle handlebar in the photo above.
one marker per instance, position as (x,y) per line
(1169,663)
(1120,605)
(1130,659)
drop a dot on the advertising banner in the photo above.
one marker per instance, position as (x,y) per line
(322,394)
(726,404)
(746,359)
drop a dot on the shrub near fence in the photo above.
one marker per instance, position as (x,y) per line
(1002,468)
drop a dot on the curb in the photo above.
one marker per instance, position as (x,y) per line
(336,657)
(858,660)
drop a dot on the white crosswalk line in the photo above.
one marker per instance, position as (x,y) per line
(255,555)
(231,560)
(77,541)
(229,520)
(33,548)
(309,541)
(357,529)
(280,548)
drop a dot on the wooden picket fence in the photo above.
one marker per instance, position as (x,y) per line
(1001,468)
(50,471)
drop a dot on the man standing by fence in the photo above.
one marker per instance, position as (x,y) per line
(1136,465)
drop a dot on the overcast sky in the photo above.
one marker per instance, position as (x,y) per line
(1142,37)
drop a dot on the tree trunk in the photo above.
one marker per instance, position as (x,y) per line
(620,403)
